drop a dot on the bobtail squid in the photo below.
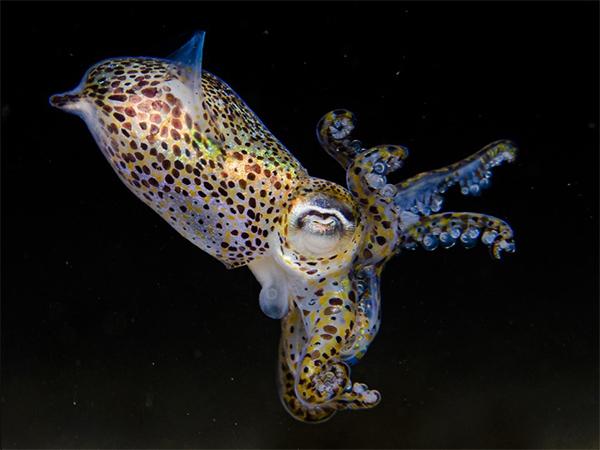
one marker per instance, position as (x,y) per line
(187,146)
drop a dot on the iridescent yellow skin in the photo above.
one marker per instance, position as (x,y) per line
(187,146)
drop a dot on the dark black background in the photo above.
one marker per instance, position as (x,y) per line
(117,332)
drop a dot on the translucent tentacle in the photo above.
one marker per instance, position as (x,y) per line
(314,378)
(366,179)
(322,377)
(334,132)
(422,194)
(445,230)
(394,217)
(366,174)
(292,343)
(368,314)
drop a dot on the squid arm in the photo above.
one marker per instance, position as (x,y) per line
(395,212)
(422,194)
(447,229)
(316,382)
(368,314)
(315,353)
(334,133)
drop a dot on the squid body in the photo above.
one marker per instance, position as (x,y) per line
(187,146)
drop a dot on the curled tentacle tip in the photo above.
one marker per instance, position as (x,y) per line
(341,128)
(369,397)
(400,151)
(503,245)
(372,397)
(506,151)
(392,156)
(341,123)
(509,147)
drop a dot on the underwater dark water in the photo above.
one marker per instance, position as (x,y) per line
(119,333)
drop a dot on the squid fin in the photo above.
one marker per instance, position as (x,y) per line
(190,56)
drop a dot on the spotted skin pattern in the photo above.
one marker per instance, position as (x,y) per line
(221,180)
(187,146)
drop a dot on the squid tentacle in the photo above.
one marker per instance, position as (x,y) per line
(322,376)
(366,180)
(292,342)
(314,376)
(294,406)
(368,314)
(366,170)
(422,194)
(334,133)
(395,216)
(331,386)
(447,229)
(366,174)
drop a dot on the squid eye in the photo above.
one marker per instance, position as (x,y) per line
(317,230)
(318,223)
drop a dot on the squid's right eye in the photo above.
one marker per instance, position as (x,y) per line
(319,227)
